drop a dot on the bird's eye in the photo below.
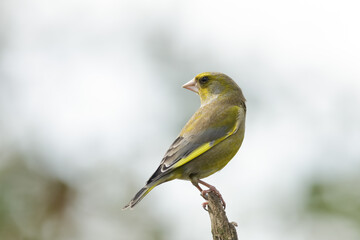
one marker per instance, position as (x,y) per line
(204,80)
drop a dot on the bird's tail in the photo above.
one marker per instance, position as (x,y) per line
(140,195)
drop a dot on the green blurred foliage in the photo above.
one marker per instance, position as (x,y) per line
(32,205)
(35,205)
(338,198)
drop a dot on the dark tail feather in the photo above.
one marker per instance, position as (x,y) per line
(140,195)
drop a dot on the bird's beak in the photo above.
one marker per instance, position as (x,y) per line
(191,85)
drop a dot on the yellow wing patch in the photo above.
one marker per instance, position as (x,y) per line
(205,147)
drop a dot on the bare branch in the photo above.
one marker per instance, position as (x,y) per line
(221,228)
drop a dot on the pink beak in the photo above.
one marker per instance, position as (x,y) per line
(191,85)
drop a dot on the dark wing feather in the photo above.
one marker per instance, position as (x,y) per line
(182,147)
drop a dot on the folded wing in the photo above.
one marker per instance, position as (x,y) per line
(188,146)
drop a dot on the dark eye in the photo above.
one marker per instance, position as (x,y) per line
(204,80)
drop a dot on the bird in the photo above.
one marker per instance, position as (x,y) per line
(208,141)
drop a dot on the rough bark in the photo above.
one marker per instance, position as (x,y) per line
(221,228)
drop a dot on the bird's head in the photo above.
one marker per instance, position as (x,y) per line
(211,85)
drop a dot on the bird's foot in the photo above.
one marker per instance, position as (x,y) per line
(214,190)
(204,205)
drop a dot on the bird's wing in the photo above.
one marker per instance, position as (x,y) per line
(193,143)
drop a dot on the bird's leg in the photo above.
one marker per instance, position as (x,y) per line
(211,189)
(196,184)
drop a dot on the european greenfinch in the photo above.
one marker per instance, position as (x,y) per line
(209,140)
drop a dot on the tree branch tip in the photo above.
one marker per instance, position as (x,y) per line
(234,224)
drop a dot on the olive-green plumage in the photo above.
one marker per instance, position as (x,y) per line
(209,140)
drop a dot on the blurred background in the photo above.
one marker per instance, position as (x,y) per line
(91,98)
